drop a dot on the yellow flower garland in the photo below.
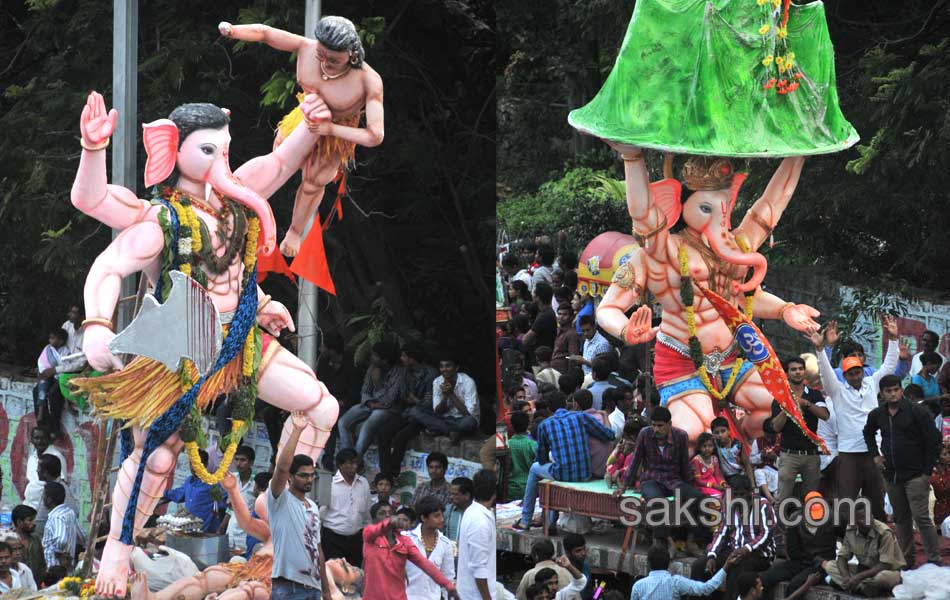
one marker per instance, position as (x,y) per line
(247,364)
(691,324)
(186,212)
(199,468)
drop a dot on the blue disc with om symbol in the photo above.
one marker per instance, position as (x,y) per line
(751,344)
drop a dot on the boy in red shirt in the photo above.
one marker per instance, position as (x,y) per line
(385,552)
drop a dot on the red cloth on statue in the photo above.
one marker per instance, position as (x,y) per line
(311,261)
(272,263)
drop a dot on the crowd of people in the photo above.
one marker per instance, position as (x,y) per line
(364,527)
(582,408)
(887,431)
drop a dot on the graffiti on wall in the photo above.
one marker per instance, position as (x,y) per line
(919,317)
(78,447)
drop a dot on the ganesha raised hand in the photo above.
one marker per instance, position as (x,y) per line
(639,328)
(800,317)
(96,124)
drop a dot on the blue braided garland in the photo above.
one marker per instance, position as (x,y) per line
(126,443)
(168,423)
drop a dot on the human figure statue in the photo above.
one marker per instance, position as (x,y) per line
(249,581)
(332,67)
(204,220)
(717,257)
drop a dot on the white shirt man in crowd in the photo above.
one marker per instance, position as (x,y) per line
(594,343)
(27,581)
(477,542)
(41,440)
(49,471)
(455,407)
(243,465)
(853,401)
(434,545)
(9,578)
(62,528)
(299,565)
(73,327)
(929,342)
(348,512)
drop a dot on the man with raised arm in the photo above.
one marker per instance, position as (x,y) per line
(299,567)
(853,401)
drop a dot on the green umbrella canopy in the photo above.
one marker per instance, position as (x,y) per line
(713,77)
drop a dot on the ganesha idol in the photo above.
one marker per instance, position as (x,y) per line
(712,79)
(696,274)
(203,225)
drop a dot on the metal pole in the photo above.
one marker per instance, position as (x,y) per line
(125,57)
(308,295)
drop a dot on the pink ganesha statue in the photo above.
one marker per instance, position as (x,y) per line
(696,270)
(204,222)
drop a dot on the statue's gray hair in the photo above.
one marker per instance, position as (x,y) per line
(340,35)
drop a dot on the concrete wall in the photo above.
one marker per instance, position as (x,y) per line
(809,285)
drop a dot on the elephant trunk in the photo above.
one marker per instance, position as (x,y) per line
(725,246)
(223,180)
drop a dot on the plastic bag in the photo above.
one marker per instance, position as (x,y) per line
(928,582)
(162,571)
(571,523)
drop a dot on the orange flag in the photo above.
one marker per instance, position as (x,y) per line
(272,263)
(311,261)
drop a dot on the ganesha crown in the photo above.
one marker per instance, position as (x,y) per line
(708,173)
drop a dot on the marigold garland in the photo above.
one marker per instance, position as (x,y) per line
(695,348)
(189,241)
(199,468)
(782,73)
(189,247)
(250,259)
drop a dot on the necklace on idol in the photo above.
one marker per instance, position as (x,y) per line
(327,76)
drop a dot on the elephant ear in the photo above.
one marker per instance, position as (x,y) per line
(666,197)
(161,145)
(737,180)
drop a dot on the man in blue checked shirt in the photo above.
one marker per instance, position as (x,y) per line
(564,436)
(660,584)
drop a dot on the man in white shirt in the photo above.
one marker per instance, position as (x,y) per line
(929,342)
(62,529)
(9,578)
(12,540)
(243,464)
(42,444)
(348,512)
(434,545)
(73,327)
(477,542)
(49,471)
(622,399)
(853,401)
(454,402)
(594,344)
(544,272)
